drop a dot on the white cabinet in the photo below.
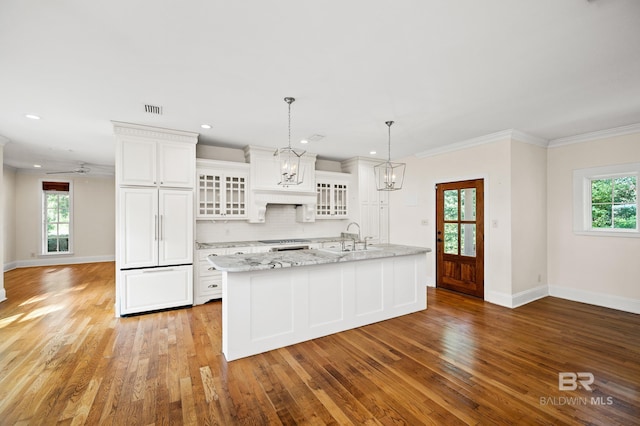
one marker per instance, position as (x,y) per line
(155,175)
(222,190)
(332,190)
(148,157)
(372,205)
(155,227)
(208,282)
(145,290)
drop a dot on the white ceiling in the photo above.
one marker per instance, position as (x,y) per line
(445,71)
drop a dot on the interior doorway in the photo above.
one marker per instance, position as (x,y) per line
(460,236)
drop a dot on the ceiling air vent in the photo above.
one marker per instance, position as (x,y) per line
(153,109)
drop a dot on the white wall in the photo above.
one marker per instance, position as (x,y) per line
(416,202)
(593,269)
(93,215)
(528,221)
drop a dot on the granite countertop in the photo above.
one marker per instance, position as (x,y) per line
(287,259)
(231,244)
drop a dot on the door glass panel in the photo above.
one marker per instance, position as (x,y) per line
(468,204)
(451,204)
(468,239)
(451,238)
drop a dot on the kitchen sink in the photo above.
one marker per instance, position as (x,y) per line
(348,250)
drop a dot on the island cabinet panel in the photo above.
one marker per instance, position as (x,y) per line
(326,298)
(369,284)
(269,309)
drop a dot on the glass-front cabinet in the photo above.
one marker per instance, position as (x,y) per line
(222,190)
(332,192)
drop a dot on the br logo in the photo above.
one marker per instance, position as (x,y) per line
(568,381)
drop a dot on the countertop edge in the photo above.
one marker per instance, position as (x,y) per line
(291,259)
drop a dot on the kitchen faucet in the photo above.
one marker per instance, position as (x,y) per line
(359,238)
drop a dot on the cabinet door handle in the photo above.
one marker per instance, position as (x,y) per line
(212,285)
(155,271)
(155,218)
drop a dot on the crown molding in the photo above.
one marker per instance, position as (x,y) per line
(600,134)
(481,140)
(149,132)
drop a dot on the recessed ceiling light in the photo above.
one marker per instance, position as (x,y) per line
(372,152)
(32,116)
(304,141)
(37,166)
(205,126)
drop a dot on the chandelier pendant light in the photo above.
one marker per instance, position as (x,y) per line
(389,176)
(289,159)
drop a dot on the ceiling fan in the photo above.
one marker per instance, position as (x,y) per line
(82,170)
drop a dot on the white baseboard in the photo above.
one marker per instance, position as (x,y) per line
(3,294)
(9,266)
(51,261)
(431,282)
(529,296)
(599,299)
(498,298)
(518,299)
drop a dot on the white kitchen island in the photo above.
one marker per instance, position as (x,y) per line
(275,299)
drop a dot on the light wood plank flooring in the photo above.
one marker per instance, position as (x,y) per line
(65,359)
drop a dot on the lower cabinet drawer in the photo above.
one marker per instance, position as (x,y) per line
(150,289)
(210,284)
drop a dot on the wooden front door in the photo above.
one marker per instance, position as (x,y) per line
(460,236)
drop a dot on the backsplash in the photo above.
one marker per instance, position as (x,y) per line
(280,223)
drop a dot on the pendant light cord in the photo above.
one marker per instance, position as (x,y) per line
(389,123)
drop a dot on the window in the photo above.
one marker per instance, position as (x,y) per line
(606,200)
(57,218)
(613,203)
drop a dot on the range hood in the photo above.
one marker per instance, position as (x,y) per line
(265,189)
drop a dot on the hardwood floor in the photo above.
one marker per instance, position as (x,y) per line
(65,359)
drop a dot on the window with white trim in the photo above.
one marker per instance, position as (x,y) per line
(57,217)
(606,200)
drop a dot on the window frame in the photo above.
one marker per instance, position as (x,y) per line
(582,206)
(43,211)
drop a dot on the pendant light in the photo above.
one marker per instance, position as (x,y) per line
(389,176)
(289,159)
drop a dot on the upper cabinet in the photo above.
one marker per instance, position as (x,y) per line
(370,207)
(146,157)
(222,190)
(332,195)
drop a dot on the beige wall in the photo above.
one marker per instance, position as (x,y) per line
(415,203)
(594,269)
(528,218)
(93,215)
(3,293)
(9,216)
